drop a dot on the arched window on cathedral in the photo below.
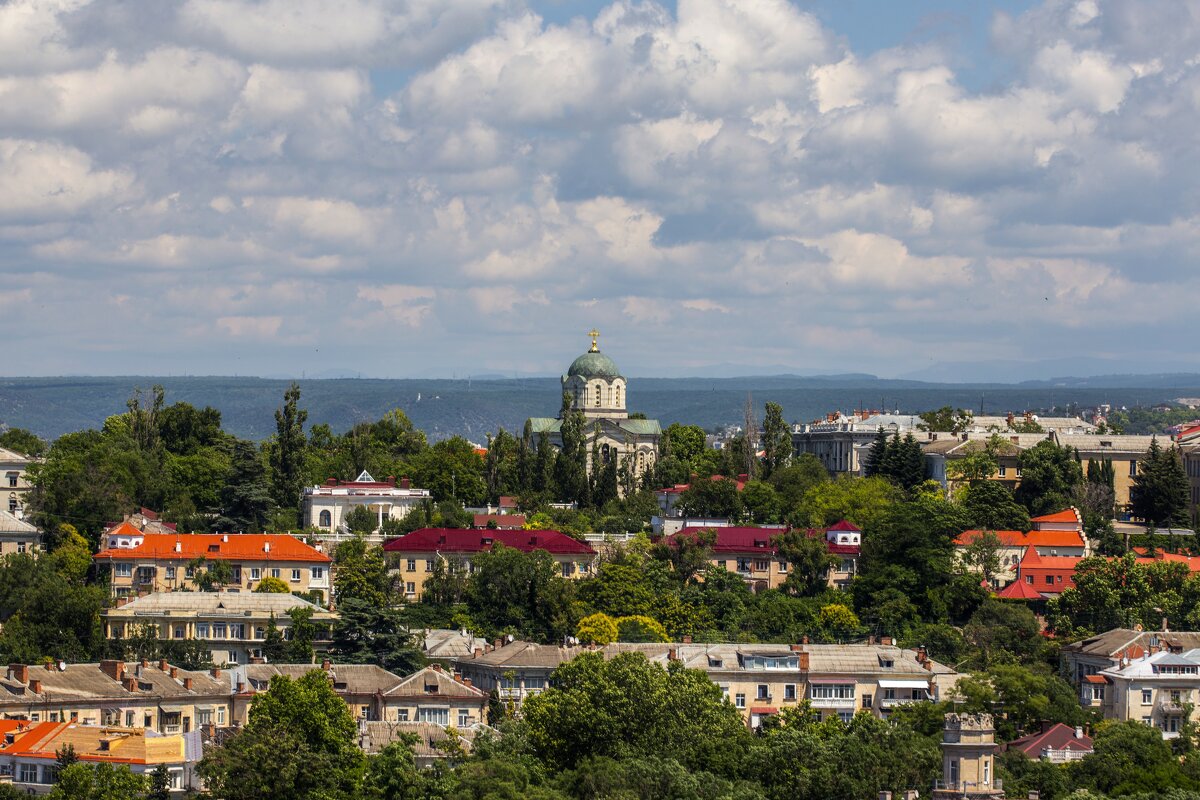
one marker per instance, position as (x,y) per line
(641,462)
(325,520)
(617,395)
(597,395)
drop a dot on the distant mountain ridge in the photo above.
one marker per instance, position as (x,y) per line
(475,408)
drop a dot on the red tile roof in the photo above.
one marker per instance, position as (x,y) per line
(735,539)
(1019,590)
(1095,679)
(845,525)
(457,540)
(214,546)
(763,710)
(1060,568)
(1053,737)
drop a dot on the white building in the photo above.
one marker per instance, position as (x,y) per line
(326,506)
(15,484)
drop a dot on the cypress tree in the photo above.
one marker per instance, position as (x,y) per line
(874,461)
(1160,490)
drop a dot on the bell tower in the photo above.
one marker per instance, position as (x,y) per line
(968,759)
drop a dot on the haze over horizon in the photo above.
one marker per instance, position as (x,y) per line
(935,188)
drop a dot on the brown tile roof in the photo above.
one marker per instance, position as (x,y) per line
(434,682)
(358,678)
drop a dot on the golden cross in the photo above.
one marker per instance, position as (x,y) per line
(595,334)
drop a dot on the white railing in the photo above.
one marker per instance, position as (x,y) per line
(832,702)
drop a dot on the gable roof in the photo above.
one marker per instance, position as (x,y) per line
(738,539)
(9,523)
(1019,590)
(1022,539)
(845,525)
(434,682)
(1052,737)
(214,546)
(458,540)
(358,678)
(1068,515)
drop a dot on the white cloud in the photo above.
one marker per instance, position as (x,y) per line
(40,180)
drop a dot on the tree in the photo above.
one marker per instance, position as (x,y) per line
(598,629)
(630,707)
(1129,757)
(687,553)
(368,634)
(160,784)
(22,441)
(860,501)
(777,440)
(452,470)
(760,503)
(641,629)
(301,634)
(715,498)
(287,455)
(1003,632)
(210,575)
(873,462)
(946,419)
(1118,593)
(360,520)
(685,442)
(393,773)
(103,781)
(1049,474)
(300,742)
(272,585)
(796,479)
(274,648)
(361,573)
(989,505)
(983,553)
(446,585)
(520,593)
(808,561)
(1160,493)
(837,622)
(246,498)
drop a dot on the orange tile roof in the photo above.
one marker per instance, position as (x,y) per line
(1019,539)
(214,546)
(1067,515)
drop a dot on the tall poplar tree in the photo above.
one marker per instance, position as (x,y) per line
(287,456)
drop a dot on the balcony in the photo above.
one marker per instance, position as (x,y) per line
(970,788)
(832,702)
(1171,706)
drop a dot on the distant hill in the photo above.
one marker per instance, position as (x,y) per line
(475,408)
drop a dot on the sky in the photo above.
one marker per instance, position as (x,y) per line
(432,188)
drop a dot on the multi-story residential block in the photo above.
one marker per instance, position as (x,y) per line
(417,552)
(437,696)
(751,552)
(841,442)
(29,755)
(1189,448)
(1113,648)
(361,686)
(232,625)
(14,484)
(1123,451)
(758,679)
(162,562)
(326,506)
(17,535)
(943,450)
(158,696)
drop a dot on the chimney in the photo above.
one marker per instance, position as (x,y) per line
(687,639)
(18,672)
(241,687)
(130,683)
(178,547)
(187,684)
(871,639)
(35,686)
(672,654)
(457,678)
(48,666)
(113,669)
(225,537)
(215,672)
(886,641)
(885,795)
(145,663)
(803,640)
(174,672)
(922,655)
(405,483)
(1078,732)
(497,643)
(163,666)
(928,665)
(436,667)
(1164,625)
(257,660)
(267,546)
(1034,794)
(477,652)
(804,662)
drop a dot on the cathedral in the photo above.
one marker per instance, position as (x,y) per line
(597,389)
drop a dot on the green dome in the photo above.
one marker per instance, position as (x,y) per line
(594,364)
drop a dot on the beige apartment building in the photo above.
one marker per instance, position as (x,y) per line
(143,562)
(14,483)
(436,696)
(968,759)
(758,679)
(155,695)
(17,535)
(232,625)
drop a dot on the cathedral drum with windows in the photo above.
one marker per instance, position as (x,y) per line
(596,388)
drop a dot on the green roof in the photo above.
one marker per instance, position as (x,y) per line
(594,364)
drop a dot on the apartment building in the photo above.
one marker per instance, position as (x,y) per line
(17,535)
(141,561)
(943,450)
(14,483)
(29,753)
(758,679)
(232,625)
(437,696)
(1124,451)
(1058,535)
(841,442)
(751,553)
(157,696)
(417,552)
(326,506)
(361,686)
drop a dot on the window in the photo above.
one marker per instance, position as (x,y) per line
(1133,468)
(743,565)
(218,630)
(867,701)
(221,715)
(1003,473)
(597,395)
(410,588)
(204,717)
(782,566)
(535,683)
(1029,579)
(568,569)
(318,573)
(739,700)
(764,692)
(761,565)
(1173,724)
(256,573)
(128,719)
(12,480)
(178,631)
(1050,579)
(123,570)
(325,520)
(29,773)
(275,572)
(402,715)
(295,576)
(237,630)
(464,718)
(1147,697)
(201,630)
(1097,692)
(411,566)
(789,691)
(170,573)
(20,547)
(846,716)
(833,691)
(438,716)
(12,503)
(429,565)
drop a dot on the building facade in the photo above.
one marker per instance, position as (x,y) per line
(158,696)
(326,506)
(419,551)
(159,562)
(17,535)
(436,696)
(15,486)
(968,759)
(595,387)
(231,625)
